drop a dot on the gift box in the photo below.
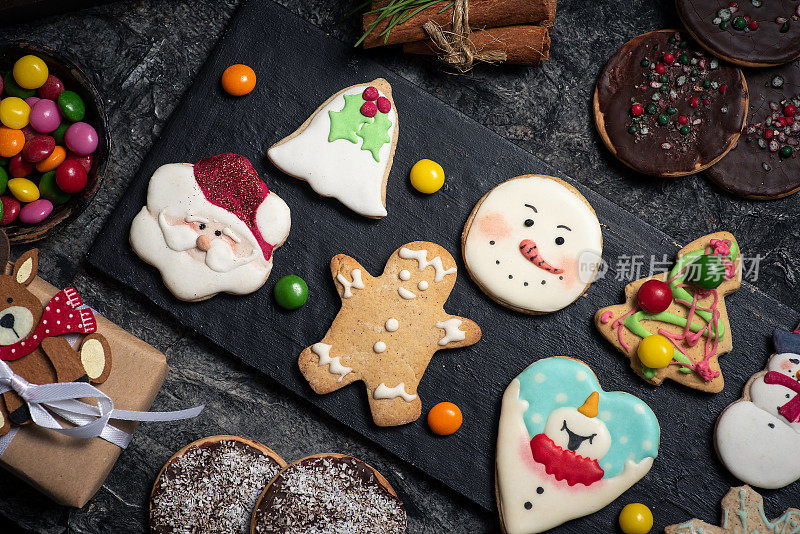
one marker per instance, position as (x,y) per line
(71,470)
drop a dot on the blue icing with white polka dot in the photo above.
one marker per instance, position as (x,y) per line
(554,383)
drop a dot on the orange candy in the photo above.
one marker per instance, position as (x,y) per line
(445,418)
(52,161)
(11,142)
(238,80)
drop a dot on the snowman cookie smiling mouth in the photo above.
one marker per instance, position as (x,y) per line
(575,440)
(530,251)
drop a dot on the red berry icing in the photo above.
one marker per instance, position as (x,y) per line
(369,109)
(654,296)
(370,93)
(636,110)
(384,105)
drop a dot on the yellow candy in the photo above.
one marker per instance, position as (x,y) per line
(23,189)
(654,351)
(427,176)
(30,72)
(636,518)
(14,112)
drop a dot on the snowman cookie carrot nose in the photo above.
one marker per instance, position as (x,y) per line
(531,252)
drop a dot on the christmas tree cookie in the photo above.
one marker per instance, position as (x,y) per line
(675,325)
(345,149)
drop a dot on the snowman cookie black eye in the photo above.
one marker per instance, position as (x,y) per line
(528,223)
(559,240)
(202,226)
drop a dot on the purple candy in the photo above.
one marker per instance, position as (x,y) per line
(36,211)
(32,100)
(1,85)
(81,138)
(45,116)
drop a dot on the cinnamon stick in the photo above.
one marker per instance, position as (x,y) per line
(523,44)
(482,14)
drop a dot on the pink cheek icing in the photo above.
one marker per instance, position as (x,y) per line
(530,251)
(494,226)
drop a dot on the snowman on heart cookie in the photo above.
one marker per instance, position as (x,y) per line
(533,244)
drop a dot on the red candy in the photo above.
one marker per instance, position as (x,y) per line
(71,176)
(660,68)
(790,110)
(683,119)
(18,167)
(29,133)
(38,149)
(723,88)
(369,109)
(85,161)
(654,296)
(384,105)
(669,58)
(694,101)
(10,209)
(637,110)
(51,88)
(753,25)
(370,93)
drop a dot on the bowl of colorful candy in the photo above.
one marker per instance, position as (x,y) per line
(54,141)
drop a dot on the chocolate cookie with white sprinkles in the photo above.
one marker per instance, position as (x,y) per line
(664,107)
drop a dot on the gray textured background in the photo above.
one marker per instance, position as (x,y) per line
(145,55)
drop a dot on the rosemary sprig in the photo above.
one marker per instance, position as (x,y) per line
(396,11)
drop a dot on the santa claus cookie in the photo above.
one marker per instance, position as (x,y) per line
(210,227)
(388,329)
(345,149)
(742,513)
(675,325)
(329,493)
(565,447)
(212,486)
(758,437)
(533,244)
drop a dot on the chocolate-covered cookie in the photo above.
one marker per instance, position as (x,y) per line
(750,33)
(664,107)
(212,486)
(764,164)
(329,493)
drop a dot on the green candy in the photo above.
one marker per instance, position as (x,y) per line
(12,88)
(632,129)
(49,190)
(706,83)
(59,133)
(672,111)
(663,119)
(683,59)
(684,44)
(3,181)
(664,79)
(723,25)
(644,63)
(651,109)
(784,27)
(706,272)
(684,130)
(71,106)
(291,292)
(739,23)
(786,152)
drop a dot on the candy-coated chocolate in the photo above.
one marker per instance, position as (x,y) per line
(706,272)
(31,100)
(29,133)
(654,296)
(49,189)
(81,138)
(71,176)
(291,292)
(11,142)
(427,176)
(30,72)
(45,116)
(23,189)
(38,149)
(445,418)
(71,106)
(11,88)
(655,351)
(635,518)
(238,80)
(60,132)
(10,209)
(18,167)
(36,211)
(52,161)
(14,112)
(3,180)
(51,88)
(85,161)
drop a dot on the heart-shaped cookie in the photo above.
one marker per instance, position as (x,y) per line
(565,447)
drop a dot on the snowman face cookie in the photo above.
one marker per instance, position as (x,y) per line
(533,244)
(757,438)
(565,447)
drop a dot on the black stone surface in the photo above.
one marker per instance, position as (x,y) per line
(146,53)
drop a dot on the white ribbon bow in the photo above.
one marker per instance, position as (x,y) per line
(91,421)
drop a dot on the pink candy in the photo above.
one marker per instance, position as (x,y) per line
(36,211)
(45,116)
(32,100)
(81,138)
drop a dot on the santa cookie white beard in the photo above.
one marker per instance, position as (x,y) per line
(210,228)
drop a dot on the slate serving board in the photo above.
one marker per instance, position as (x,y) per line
(299,67)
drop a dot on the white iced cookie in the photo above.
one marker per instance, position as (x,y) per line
(758,437)
(565,447)
(345,149)
(533,244)
(210,227)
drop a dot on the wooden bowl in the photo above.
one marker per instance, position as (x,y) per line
(75,79)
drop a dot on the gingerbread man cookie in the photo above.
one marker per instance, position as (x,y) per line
(388,329)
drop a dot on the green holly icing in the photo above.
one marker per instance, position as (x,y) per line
(345,123)
(375,134)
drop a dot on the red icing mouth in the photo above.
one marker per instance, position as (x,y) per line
(529,249)
(564,464)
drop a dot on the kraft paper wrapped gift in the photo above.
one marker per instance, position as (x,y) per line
(70,470)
